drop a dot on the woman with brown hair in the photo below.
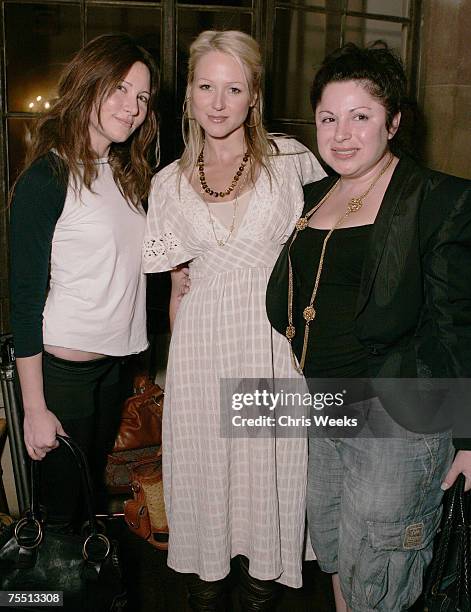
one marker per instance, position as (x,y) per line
(227,206)
(77,289)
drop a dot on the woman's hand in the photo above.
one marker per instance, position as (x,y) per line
(180,287)
(41,427)
(183,282)
(40,424)
(461,465)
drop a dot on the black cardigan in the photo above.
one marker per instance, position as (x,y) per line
(38,201)
(413,313)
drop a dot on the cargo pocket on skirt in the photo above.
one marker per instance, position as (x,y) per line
(389,573)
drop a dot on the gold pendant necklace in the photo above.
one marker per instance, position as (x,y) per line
(235,204)
(309,313)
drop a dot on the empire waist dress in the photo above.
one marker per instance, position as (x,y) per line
(225,496)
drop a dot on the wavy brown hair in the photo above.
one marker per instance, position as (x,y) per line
(91,76)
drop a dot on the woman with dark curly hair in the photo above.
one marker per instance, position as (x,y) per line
(371,285)
(77,289)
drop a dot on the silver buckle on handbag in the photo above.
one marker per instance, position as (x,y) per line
(30,540)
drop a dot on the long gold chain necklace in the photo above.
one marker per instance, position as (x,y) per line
(309,313)
(220,194)
(235,204)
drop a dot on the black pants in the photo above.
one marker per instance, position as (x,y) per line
(87,398)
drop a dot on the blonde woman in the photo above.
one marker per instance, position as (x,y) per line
(226,207)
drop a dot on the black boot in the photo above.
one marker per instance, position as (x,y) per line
(257,595)
(204,596)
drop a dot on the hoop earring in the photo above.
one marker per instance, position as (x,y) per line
(185,110)
(257,121)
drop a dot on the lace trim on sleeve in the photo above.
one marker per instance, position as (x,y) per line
(161,246)
(163,253)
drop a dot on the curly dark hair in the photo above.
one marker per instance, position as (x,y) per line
(377,67)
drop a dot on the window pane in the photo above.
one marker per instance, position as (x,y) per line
(396,8)
(18,137)
(300,47)
(92,2)
(304,132)
(364,31)
(191,23)
(322,4)
(219,2)
(40,39)
(144,24)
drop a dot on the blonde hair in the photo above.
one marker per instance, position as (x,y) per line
(245,50)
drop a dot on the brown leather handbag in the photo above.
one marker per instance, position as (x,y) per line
(139,436)
(135,465)
(145,514)
(141,419)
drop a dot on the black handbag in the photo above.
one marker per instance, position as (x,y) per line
(85,568)
(449,582)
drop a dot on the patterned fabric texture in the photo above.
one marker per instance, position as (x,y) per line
(226,497)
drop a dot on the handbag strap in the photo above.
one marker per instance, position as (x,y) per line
(87,487)
(29,530)
(455,518)
(82,464)
(464,526)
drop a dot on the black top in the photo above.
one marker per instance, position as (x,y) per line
(333,349)
(413,313)
(38,202)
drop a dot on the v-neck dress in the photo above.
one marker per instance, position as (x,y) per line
(228,496)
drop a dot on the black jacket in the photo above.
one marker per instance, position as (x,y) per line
(413,313)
